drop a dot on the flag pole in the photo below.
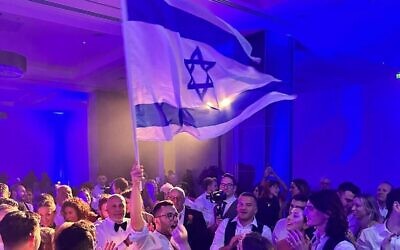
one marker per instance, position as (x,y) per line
(129,79)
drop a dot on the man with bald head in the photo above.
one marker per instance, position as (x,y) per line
(116,227)
(191,219)
(63,193)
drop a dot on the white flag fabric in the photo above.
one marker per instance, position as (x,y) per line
(190,71)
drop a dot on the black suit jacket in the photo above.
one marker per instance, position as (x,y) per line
(199,237)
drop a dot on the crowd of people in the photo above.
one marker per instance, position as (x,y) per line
(146,214)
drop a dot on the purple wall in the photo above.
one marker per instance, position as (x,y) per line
(37,139)
(348,129)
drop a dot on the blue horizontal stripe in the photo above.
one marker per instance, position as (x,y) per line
(188,26)
(164,114)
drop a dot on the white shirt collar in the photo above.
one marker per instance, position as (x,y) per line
(253,223)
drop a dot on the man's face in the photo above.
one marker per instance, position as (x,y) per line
(102,180)
(227,186)
(382,191)
(166,220)
(20,193)
(177,198)
(116,209)
(347,198)
(246,208)
(63,193)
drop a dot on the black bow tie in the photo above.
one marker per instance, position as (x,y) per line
(122,225)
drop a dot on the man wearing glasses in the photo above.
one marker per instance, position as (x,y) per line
(228,186)
(168,233)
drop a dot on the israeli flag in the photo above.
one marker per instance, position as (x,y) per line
(190,71)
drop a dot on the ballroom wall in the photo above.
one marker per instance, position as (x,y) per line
(43,140)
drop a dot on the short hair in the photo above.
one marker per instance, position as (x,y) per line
(393,195)
(254,241)
(117,196)
(79,236)
(4,190)
(208,181)
(348,186)
(103,200)
(9,201)
(300,197)
(127,194)
(180,190)
(248,194)
(45,200)
(160,204)
(121,183)
(17,226)
(230,176)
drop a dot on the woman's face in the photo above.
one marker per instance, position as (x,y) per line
(315,218)
(46,216)
(296,219)
(274,189)
(70,214)
(293,189)
(359,210)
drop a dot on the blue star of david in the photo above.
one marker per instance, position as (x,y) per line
(197,59)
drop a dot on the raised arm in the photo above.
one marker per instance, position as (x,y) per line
(136,202)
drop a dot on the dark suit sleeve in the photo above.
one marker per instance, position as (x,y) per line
(199,236)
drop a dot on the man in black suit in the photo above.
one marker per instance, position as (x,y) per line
(193,220)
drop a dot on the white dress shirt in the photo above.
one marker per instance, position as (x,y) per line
(280,230)
(58,218)
(105,232)
(145,240)
(372,237)
(205,206)
(219,237)
(320,243)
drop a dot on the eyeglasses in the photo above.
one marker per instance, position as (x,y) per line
(226,185)
(170,216)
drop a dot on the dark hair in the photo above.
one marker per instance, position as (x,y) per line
(161,204)
(127,194)
(248,194)
(121,183)
(348,186)
(302,185)
(9,201)
(393,195)
(228,175)
(300,197)
(254,241)
(17,226)
(328,202)
(208,181)
(82,209)
(78,236)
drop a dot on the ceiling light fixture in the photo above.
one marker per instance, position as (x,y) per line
(12,65)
